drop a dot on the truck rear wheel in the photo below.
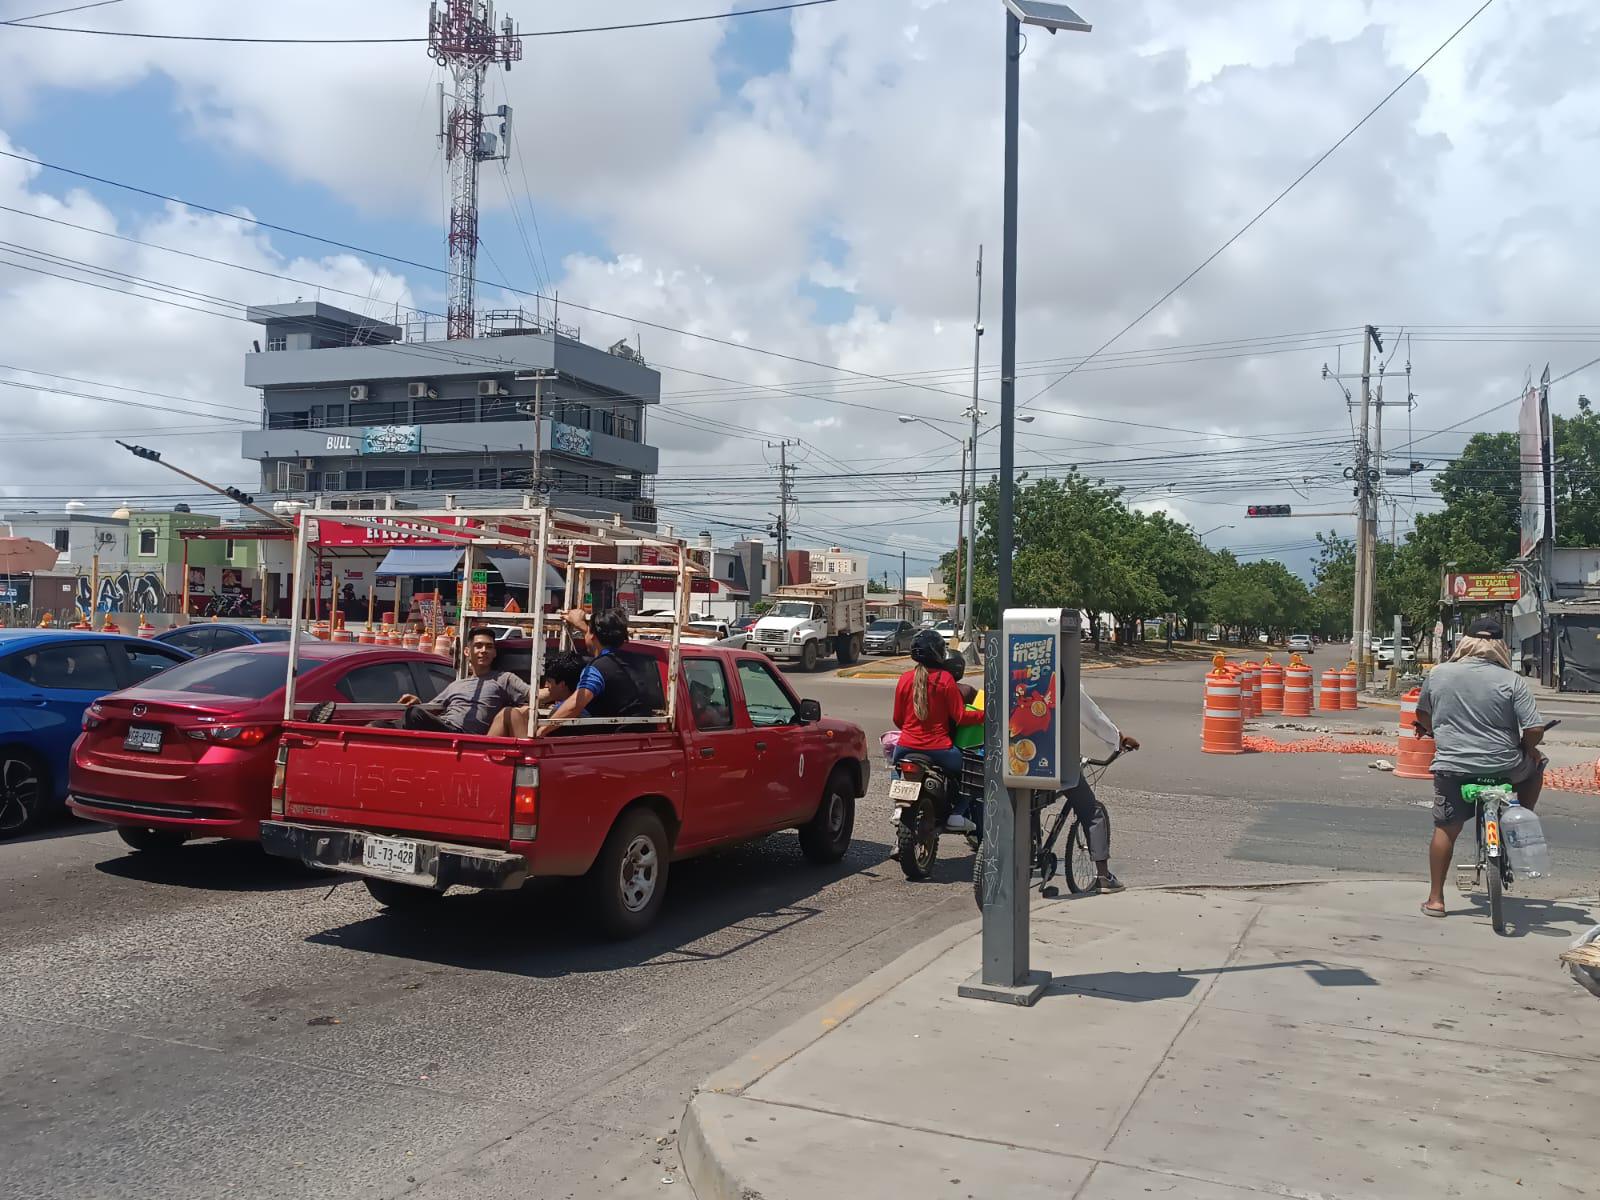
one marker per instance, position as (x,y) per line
(809,656)
(826,837)
(848,648)
(402,897)
(628,881)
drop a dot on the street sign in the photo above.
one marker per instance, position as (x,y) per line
(1041,734)
(1490,588)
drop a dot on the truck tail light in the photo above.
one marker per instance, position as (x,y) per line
(280,772)
(525,805)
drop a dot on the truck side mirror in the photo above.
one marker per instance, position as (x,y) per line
(810,711)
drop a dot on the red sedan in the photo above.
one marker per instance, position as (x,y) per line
(191,752)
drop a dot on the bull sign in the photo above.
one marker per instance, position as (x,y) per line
(1040,739)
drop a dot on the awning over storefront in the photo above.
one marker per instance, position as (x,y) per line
(420,564)
(517,570)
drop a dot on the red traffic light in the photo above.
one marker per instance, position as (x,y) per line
(1267,510)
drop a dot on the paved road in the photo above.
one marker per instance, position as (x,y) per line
(223,1025)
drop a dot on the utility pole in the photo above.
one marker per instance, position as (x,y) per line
(785,496)
(971,496)
(538,379)
(1363,475)
(462,40)
(1547,554)
(905,607)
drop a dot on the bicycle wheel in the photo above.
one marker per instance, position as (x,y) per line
(1081,873)
(1497,912)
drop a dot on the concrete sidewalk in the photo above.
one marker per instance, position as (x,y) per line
(1310,1040)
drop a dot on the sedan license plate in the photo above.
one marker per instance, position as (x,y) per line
(389,854)
(142,737)
(905,789)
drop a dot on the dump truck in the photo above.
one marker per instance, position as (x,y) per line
(809,622)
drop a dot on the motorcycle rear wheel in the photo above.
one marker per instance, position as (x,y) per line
(916,852)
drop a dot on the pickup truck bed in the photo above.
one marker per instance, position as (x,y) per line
(415,813)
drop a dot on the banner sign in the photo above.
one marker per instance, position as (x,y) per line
(1040,662)
(391,439)
(1530,440)
(569,439)
(1483,589)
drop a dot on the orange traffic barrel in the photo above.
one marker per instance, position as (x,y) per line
(1328,693)
(1348,688)
(145,629)
(342,635)
(409,640)
(1222,723)
(367,637)
(1247,676)
(110,626)
(1271,686)
(1415,754)
(1297,689)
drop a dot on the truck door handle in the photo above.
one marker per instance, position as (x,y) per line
(761,745)
(707,752)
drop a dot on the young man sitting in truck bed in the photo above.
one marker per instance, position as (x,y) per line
(561,673)
(468,705)
(607,687)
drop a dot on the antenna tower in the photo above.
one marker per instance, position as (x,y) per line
(463,40)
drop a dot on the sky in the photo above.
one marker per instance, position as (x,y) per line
(784,212)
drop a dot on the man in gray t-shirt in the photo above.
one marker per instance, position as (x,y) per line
(1485,724)
(468,705)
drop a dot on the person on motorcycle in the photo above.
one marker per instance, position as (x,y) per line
(1485,725)
(927,704)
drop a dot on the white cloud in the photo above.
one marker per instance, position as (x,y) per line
(1144,145)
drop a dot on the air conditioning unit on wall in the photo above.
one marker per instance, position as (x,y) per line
(491,387)
(358,392)
(420,391)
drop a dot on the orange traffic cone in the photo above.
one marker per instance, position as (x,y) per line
(1415,754)
(1222,720)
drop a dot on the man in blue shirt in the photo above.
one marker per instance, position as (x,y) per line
(605,688)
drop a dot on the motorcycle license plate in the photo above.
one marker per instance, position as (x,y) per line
(905,789)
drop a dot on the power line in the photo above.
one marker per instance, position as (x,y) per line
(395,41)
(1273,203)
(57,12)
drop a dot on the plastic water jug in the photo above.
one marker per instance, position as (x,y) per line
(1524,839)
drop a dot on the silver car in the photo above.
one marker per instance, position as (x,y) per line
(888,636)
(1300,643)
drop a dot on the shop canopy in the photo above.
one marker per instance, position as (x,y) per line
(421,564)
(517,570)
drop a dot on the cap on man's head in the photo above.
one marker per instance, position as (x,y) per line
(1486,627)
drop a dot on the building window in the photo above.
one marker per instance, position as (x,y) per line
(277,341)
(605,420)
(378,481)
(505,408)
(289,420)
(147,543)
(452,480)
(444,412)
(228,548)
(63,540)
(627,429)
(378,414)
(353,481)
(335,414)
(489,477)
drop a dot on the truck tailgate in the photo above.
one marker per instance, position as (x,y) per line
(446,786)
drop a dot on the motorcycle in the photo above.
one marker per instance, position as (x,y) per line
(924,795)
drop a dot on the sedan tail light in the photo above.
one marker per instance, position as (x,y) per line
(94,716)
(233,735)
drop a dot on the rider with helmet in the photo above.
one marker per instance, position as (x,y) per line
(927,704)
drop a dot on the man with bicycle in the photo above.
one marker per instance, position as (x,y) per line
(1485,725)
(1080,796)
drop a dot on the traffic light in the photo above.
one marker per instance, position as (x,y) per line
(1267,510)
(241,497)
(144,452)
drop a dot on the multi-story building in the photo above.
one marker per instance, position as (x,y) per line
(835,565)
(354,411)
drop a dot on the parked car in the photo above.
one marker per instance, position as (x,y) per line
(190,754)
(415,813)
(207,637)
(888,636)
(745,623)
(1300,643)
(1213,636)
(47,679)
(946,630)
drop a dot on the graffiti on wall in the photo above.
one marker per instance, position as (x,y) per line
(125,593)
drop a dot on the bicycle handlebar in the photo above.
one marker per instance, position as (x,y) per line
(1104,762)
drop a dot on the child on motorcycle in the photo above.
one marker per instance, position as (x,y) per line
(927,705)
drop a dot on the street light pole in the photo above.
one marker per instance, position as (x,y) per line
(1008,311)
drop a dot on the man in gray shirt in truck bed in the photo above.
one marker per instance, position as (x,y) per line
(468,705)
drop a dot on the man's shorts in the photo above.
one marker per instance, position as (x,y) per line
(1448,806)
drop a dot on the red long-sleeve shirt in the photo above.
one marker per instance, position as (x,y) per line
(945,707)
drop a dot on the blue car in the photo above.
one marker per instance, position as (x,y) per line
(207,637)
(47,678)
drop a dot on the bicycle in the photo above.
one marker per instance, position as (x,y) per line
(1080,869)
(1489,797)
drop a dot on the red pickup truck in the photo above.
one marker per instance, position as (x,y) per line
(414,813)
